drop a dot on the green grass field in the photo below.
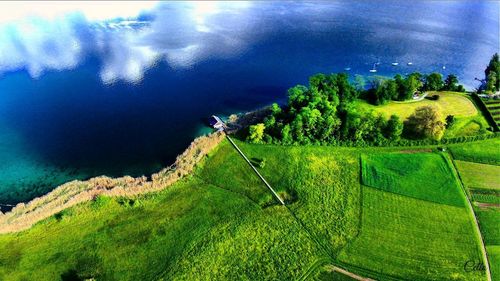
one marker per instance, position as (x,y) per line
(494,257)
(192,231)
(468,120)
(404,237)
(325,182)
(489,219)
(221,223)
(476,175)
(409,174)
(449,103)
(485,198)
(468,126)
(487,151)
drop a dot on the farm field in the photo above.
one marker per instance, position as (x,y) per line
(482,181)
(477,175)
(489,219)
(494,257)
(203,227)
(408,174)
(404,237)
(486,151)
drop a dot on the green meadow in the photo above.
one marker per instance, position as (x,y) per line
(404,237)
(477,175)
(487,152)
(221,222)
(409,174)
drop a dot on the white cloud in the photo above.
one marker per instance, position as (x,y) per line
(37,44)
(181,33)
(93,10)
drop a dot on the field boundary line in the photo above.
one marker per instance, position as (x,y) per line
(471,210)
(256,171)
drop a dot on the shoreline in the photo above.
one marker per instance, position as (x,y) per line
(24,214)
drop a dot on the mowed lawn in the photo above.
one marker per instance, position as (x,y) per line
(425,176)
(449,103)
(408,238)
(476,175)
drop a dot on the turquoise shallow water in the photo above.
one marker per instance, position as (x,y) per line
(68,124)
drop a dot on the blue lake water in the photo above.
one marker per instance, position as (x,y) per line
(105,108)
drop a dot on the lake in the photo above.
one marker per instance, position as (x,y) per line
(80,98)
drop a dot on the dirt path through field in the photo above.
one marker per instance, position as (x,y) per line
(350,274)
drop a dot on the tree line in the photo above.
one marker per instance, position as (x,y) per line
(324,113)
(402,88)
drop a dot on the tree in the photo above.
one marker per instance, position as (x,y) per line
(286,136)
(493,66)
(433,82)
(491,82)
(359,82)
(387,91)
(275,109)
(256,133)
(394,128)
(450,83)
(425,122)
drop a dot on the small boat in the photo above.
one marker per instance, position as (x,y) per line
(347,68)
(444,67)
(410,63)
(373,70)
(395,63)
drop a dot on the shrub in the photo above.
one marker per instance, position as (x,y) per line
(450,120)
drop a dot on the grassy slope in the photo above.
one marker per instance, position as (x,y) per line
(406,237)
(479,175)
(487,151)
(468,120)
(192,230)
(449,103)
(326,183)
(408,174)
(209,227)
(217,224)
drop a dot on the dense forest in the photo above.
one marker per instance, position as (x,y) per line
(324,111)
